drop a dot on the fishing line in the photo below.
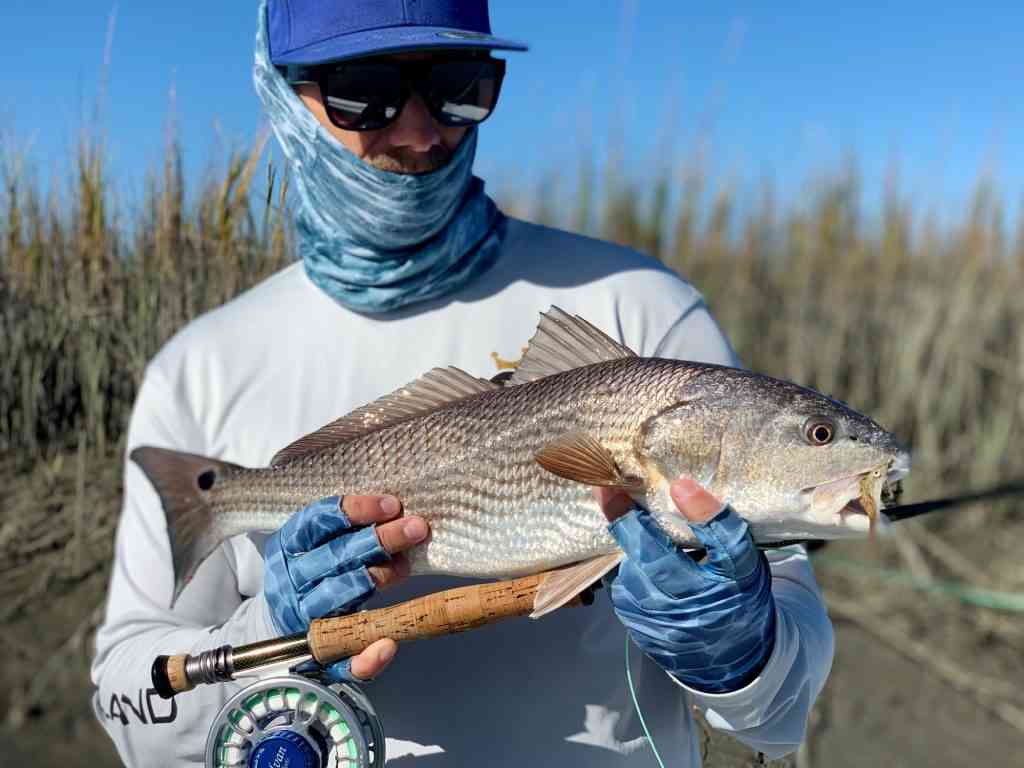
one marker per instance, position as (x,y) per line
(985,598)
(636,706)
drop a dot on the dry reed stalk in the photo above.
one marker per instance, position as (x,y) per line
(86,300)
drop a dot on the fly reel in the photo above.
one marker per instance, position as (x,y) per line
(290,721)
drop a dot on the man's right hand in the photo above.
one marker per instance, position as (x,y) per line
(329,558)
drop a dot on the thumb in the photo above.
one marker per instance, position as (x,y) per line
(362,667)
(371,662)
(725,535)
(692,501)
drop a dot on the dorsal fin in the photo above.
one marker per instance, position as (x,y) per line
(428,393)
(563,342)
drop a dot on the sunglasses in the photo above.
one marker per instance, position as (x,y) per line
(367,94)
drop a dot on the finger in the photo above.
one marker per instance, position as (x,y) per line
(653,553)
(312,526)
(731,549)
(614,502)
(389,574)
(338,594)
(693,502)
(367,509)
(400,535)
(724,534)
(372,661)
(278,590)
(347,552)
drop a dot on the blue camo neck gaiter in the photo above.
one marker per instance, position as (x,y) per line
(373,240)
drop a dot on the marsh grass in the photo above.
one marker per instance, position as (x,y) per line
(89,290)
(912,320)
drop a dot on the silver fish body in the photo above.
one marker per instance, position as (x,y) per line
(504,474)
(470,470)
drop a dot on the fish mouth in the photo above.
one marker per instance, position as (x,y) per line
(856,507)
(868,501)
(864,494)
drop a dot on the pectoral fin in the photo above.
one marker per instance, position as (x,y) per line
(580,457)
(560,587)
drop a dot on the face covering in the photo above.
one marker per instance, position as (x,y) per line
(373,240)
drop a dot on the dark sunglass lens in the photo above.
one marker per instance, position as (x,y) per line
(363,96)
(463,92)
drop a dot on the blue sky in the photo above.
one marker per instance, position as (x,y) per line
(778,89)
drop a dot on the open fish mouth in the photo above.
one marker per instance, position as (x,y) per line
(864,494)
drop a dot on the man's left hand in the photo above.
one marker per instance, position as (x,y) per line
(710,625)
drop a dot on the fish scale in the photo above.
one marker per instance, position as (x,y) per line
(486,483)
(503,475)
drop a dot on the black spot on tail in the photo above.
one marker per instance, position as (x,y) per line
(185,483)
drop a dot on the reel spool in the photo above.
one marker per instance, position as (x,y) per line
(296,722)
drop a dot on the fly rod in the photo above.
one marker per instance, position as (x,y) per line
(442,613)
(907,511)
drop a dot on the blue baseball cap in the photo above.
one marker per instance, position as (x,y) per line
(315,31)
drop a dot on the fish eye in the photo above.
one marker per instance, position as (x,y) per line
(819,430)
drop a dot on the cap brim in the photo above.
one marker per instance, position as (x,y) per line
(394,40)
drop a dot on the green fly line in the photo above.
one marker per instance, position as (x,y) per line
(965,593)
(636,706)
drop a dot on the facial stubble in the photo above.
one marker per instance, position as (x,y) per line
(403,160)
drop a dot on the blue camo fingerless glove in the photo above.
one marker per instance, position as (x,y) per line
(316,566)
(710,625)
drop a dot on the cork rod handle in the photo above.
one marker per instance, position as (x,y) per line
(442,613)
(328,640)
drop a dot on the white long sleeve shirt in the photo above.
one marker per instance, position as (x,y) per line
(283,359)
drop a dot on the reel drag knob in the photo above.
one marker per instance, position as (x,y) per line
(284,749)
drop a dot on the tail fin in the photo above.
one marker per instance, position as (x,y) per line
(185,483)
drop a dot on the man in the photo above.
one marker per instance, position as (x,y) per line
(405,265)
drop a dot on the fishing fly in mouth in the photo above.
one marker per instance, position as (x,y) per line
(864,495)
